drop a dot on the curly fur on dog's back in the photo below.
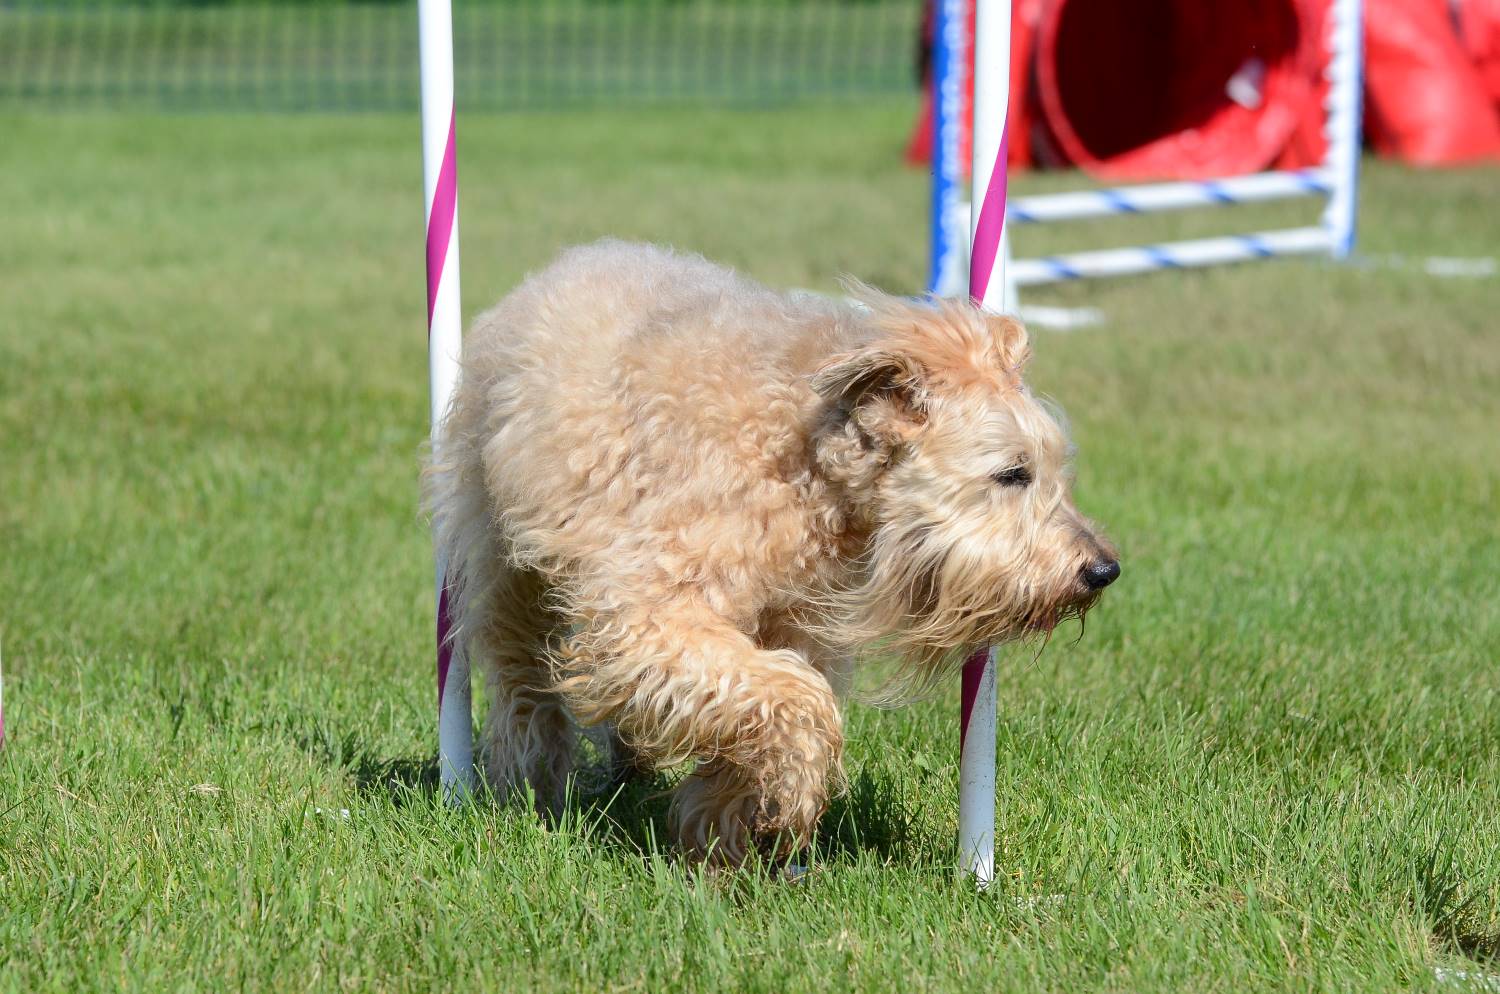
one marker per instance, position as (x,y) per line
(660,371)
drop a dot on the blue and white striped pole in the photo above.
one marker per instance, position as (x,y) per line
(948,271)
(1154,198)
(1193,254)
(1345,111)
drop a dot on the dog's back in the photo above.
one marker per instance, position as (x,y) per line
(623,318)
(627,402)
(622,361)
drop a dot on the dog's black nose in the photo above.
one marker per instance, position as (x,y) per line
(1101,573)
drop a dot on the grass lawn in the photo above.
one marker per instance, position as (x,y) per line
(1273,762)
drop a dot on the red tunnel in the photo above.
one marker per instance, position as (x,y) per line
(1138,89)
(1173,87)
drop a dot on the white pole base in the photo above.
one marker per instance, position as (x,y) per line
(976,779)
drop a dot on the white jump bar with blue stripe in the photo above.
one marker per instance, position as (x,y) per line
(1153,197)
(1171,255)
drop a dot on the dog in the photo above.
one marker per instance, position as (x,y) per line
(680,506)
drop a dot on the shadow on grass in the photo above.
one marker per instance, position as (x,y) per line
(872,817)
(629,808)
(401,779)
(1458,924)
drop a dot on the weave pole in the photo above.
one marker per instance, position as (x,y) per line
(987,288)
(444,341)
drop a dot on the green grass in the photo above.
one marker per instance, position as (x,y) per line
(1272,763)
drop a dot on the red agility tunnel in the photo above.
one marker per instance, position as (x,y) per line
(1427,100)
(1188,89)
(1432,94)
(1173,88)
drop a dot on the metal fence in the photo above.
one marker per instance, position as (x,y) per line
(511,54)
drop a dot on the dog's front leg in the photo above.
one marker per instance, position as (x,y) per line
(764,725)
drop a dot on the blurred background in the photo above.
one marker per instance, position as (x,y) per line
(510,54)
(1161,87)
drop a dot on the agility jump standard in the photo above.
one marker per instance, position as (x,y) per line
(1337,179)
(444,341)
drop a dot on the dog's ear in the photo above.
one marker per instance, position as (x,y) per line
(882,392)
(1012,344)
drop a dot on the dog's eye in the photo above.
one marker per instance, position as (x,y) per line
(1016,476)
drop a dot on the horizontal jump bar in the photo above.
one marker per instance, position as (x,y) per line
(1154,197)
(1171,255)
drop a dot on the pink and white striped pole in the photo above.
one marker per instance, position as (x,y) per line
(444,342)
(988,289)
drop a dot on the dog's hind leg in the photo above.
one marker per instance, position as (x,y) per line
(529,737)
(685,683)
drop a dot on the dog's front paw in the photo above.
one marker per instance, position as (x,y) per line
(724,810)
(714,814)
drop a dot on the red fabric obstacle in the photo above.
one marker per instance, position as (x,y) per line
(1024,16)
(1479,29)
(1187,89)
(1426,99)
(1172,88)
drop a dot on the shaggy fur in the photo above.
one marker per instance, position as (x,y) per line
(678,503)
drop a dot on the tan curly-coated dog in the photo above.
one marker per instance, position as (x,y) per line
(678,503)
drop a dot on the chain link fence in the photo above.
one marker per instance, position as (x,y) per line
(510,54)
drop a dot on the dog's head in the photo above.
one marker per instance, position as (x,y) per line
(962,478)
